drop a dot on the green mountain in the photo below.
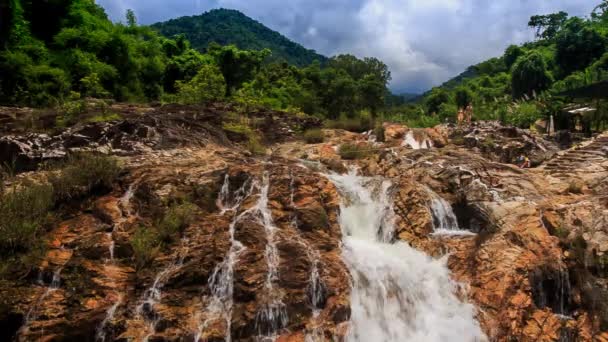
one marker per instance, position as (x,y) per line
(226,27)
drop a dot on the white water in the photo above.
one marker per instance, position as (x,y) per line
(152,296)
(398,293)
(101,329)
(32,314)
(444,219)
(410,140)
(273,315)
(125,207)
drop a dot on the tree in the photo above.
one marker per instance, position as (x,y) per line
(548,25)
(512,53)
(371,92)
(437,97)
(578,44)
(207,85)
(237,66)
(529,75)
(600,12)
(131,20)
(463,97)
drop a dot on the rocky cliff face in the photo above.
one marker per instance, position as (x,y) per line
(261,255)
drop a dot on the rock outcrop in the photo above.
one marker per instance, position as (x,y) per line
(528,246)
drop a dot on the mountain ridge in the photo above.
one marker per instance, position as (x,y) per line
(229,26)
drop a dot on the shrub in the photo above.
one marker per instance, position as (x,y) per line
(576,187)
(146,245)
(23,212)
(207,85)
(253,143)
(82,173)
(176,219)
(105,117)
(353,125)
(351,151)
(313,136)
(379,133)
(524,115)
(69,112)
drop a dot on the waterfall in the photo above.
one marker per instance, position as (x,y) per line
(398,293)
(444,219)
(101,329)
(32,314)
(146,309)
(273,315)
(410,140)
(124,203)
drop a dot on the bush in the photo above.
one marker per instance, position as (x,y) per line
(23,212)
(176,219)
(313,136)
(353,151)
(576,187)
(81,173)
(207,85)
(253,142)
(70,111)
(524,115)
(353,125)
(379,133)
(146,246)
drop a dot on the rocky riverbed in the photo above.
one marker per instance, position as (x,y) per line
(265,256)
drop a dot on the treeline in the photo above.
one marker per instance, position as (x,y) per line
(524,84)
(59,50)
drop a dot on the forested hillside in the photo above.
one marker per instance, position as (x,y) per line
(523,84)
(59,59)
(226,27)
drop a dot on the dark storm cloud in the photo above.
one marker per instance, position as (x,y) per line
(424,42)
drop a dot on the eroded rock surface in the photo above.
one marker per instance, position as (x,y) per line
(528,246)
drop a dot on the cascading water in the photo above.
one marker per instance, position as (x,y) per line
(125,206)
(273,315)
(32,314)
(398,293)
(315,286)
(146,309)
(410,140)
(101,329)
(445,221)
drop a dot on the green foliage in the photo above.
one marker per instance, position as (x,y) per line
(530,76)
(437,97)
(359,125)
(71,110)
(512,53)
(23,213)
(146,246)
(82,173)
(548,25)
(177,218)
(350,151)
(524,114)
(237,66)
(252,139)
(578,45)
(207,85)
(463,97)
(230,27)
(105,117)
(313,136)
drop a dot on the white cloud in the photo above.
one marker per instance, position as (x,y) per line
(424,42)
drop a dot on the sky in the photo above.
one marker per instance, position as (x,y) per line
(424,42)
